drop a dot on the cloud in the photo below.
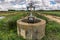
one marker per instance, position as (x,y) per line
(21,4)
(9,0)
(58,1)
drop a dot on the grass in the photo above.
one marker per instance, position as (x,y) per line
(11,13)
(55,13)
(8,26)
(52,29)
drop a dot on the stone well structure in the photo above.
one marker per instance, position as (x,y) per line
(31,31)
(31,28)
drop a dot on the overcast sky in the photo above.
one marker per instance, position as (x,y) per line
(22,3)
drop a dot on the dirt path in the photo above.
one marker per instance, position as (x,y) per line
(54,18)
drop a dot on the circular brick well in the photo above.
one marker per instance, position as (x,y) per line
(31,31)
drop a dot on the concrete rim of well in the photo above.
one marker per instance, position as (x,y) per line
(39,23)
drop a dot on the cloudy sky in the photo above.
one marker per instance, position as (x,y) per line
(21,4)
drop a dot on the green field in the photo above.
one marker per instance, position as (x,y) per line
(8,27)
(52,29)
(55,13)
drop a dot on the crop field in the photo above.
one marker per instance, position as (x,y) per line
(55,13)
(8,25)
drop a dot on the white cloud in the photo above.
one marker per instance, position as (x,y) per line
(8,5)
(9,0)
(0,1)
